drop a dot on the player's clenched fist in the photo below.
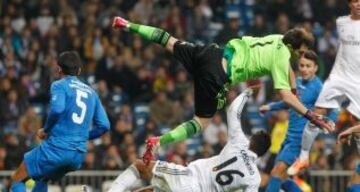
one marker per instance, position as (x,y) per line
(41,134)
(120,23)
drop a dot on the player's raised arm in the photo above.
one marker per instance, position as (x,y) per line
(100,121)
(57,105)
(234,115)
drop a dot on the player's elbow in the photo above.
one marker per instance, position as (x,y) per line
(57,109)
(286,95)
(106,125)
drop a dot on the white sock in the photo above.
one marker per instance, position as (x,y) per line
(304,155)
(127,180)
(308,137)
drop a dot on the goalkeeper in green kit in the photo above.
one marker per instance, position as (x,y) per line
(213,67)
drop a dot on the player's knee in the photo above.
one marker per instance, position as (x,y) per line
(171,43)
(275,173)
(18,176)
(15,177)
(203,122)
(355,179)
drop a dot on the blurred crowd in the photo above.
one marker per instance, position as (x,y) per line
(144,89)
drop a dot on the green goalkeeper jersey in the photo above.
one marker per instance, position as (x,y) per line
(253,57)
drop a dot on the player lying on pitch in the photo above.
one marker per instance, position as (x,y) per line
(234,168)
(73,107)
(342,84)
(308,86)
(345,137)
(212,68)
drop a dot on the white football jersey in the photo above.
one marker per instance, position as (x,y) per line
(347,63)
(234,168)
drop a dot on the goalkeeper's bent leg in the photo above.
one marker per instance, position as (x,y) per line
(181,132)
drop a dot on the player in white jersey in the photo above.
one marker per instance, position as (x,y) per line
(233,169)
(343,83)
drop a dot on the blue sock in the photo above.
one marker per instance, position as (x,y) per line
(354,188)
(40,186)
(18,187)
(290,185)
(274,185)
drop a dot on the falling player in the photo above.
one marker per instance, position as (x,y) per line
(212,68)
(74,106)
(342,84)
(233,169)
(308,87)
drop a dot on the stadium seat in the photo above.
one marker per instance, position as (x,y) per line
(54,188)
(141,113)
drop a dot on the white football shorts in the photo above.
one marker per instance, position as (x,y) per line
(336,91)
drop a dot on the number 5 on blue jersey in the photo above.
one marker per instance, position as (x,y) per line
(82,105)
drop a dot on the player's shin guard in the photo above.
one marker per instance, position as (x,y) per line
(354,188)
(18,187)
(274,185)
(308,137)
(181,132)
(40,186)
(149,33)
(290,185)
(127,180)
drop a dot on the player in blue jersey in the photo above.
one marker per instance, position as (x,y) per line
(308,87)
(74,106)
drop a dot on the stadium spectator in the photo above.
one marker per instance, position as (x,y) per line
(217,125)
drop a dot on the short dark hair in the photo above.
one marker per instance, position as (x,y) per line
(260,143)
(70,62)
(297,37)
(311,55)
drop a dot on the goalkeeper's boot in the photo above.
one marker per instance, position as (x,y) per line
(298,166)
(152,145)
(120,23)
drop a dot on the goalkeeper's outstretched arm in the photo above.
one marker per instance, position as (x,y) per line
(149,33)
